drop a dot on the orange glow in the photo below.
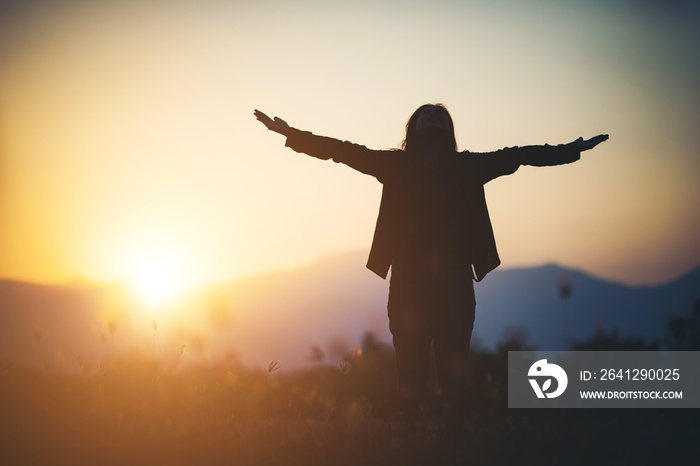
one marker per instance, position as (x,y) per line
(135,120)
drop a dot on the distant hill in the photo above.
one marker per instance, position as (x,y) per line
(529,298)
(329,304)
(51,325)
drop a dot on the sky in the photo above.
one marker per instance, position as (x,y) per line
(128,146)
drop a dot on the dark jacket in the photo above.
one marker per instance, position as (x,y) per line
(395,168)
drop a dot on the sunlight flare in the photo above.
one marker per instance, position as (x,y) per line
(157,281)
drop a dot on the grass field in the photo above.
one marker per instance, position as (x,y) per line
(131,411)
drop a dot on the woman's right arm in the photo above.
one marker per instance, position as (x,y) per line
(371,162)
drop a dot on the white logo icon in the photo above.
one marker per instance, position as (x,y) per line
(543,369)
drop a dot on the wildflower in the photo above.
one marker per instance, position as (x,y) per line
(154,324)
(98,333)
(565,287)
(274,365)
(111,325)
(317,354)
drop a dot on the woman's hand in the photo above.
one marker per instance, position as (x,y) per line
(582,145)
(277,125)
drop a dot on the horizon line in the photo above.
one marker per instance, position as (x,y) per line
(83,281)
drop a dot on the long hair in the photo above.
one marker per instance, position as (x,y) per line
(413,136)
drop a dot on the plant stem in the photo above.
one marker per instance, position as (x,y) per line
(160,350)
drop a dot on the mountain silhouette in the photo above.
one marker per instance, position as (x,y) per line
(320,312)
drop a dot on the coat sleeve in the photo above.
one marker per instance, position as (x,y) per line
(491,165)
(376,163)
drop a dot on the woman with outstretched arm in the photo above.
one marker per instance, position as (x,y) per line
(433,230)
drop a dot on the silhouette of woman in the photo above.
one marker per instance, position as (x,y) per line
(434,231)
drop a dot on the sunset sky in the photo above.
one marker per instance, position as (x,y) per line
(128,146)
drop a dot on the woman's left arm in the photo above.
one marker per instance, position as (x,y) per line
(507,161)
(547,156)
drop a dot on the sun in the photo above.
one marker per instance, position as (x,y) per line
(157,281)
(161,269)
